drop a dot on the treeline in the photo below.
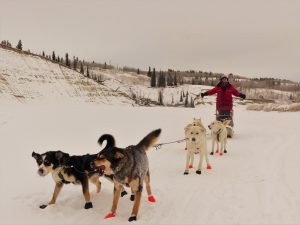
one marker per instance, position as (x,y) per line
(161,79)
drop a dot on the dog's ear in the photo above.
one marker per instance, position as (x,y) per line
(118,155)
(59,155)
(34,155)
(226,122)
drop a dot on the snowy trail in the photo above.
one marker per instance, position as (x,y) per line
(256,182)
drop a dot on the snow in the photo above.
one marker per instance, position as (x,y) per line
(256,182)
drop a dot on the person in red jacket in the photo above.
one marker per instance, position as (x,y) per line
(224,91)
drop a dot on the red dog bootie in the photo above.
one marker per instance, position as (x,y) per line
(208,167)
(221,153)
(151,198)
(190,166)
(217,151)
(109,215)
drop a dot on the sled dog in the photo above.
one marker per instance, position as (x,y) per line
(67,169)
(128,167)
(219,135)
(195,134)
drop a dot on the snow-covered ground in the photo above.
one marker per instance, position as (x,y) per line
(256,182)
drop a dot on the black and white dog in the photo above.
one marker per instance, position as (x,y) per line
(67,169)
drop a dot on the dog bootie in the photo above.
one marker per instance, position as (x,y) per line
(221,153)
(151,198)
(123,193)
(185,173)
(208,167)
(109,215)
(132,218)
(225,151)
(190,166)
(43,206)
(212,153)
(88,205)
(198,172)
(132,197)
(217,151)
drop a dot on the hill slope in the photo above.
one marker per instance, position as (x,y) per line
(26,77)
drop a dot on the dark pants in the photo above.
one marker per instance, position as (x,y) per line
(225,115)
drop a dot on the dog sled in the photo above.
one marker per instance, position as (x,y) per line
(223,115)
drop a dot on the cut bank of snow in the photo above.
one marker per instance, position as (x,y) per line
(275,107)
(256,182)
(26,78)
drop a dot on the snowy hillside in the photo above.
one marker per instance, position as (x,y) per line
(256,182)
(25,78)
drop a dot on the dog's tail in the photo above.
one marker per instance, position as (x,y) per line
(149,140)
(110,141)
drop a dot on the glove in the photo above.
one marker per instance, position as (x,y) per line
(203,94)
(243,96)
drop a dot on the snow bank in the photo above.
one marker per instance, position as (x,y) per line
(295,107)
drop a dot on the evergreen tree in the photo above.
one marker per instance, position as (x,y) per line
(138,71)
(87,71)
(153,79)
(67,60)
(81,68)
(192,102)
(19,45)
(175,79)
(160,97)
(105,66)
(149,74)
(181,97)
(43,54)
(53,56)
(186,103)
(75,63)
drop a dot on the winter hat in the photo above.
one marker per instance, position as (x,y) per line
(224,76)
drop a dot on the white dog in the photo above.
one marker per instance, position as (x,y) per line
(195,134)
(219,135)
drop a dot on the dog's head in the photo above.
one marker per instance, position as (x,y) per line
(193,133)
(216,126)
(108,159)
(49,161)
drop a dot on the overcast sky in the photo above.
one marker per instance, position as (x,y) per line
(252,38)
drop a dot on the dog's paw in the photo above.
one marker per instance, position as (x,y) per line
(225,151)
(198,172)
(43,206)
(88,205)
(208,167)
(109,215)
(151,198)
(221,153)
(190,166)
(132,218)
(132,197)
(123,193)
(185,173)
(212,153)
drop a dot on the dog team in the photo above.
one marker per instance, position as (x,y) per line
(124,166)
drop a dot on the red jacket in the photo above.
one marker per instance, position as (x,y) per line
(224,96)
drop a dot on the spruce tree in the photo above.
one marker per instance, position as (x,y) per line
(149,74)
(175,79)
(186,103)
(53,56)
(43,54)
(87,71)
(153,79)
(19,45)
(81,68)
(138,71)
(67,60)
